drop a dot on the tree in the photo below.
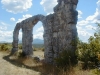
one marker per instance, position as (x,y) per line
(90,52)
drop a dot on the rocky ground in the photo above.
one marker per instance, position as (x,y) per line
(11,67)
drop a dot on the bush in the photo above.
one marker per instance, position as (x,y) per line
(66,60)
(4,47)
(34,49)
(20,46)
(42,49)
(89,52)
(96,71)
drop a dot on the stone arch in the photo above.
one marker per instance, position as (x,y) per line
(60,32)
(27,36)
(15,38)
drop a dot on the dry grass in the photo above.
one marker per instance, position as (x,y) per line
(47,69)
(28,66)
(11,67)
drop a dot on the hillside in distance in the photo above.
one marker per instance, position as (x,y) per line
(35,41)
(38,41)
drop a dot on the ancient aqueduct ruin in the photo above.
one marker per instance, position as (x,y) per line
(60,31)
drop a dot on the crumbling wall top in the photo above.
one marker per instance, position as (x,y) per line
(68,1)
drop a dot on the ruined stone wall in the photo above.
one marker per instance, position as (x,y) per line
(60,31)
(27,36)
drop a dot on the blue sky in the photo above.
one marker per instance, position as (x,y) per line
(13,11)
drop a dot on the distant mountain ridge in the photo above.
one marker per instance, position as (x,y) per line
(35,41)
(38,41)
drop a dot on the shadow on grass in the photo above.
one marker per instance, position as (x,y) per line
(44,69)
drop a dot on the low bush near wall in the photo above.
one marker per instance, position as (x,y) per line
(5,47)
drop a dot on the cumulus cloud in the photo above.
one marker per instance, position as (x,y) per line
(97,13)
(48,5)
(40,29)
(16,6)
(90,18)
(83,22)
(83,33)
(39,33)
(38,36)
(24,17)
(12,19)
(5,35)
(3,26)
(20,35)
(79,13)
(86,27)
(90,27)
(96,17)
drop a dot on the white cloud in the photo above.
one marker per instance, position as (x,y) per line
(79,13)
(90,27)
(40,29)
(20,35)
(39,33)
(16,6)
(90,18)
(6,36)
(3,26)
(83,33)
(48,5)
(24,17)
(98,10)
(85,27)
(12,19)
(50,13)
(83,22)
(96,17)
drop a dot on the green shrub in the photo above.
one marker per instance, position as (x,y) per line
(66,59)
(88,52)
(34,49)
(20,46)
(42,49)
(96,71)
(4,47)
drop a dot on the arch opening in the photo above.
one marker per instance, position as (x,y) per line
(38,40)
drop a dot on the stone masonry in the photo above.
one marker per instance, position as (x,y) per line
(60,32)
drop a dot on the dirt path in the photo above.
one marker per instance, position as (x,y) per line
(7,68)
